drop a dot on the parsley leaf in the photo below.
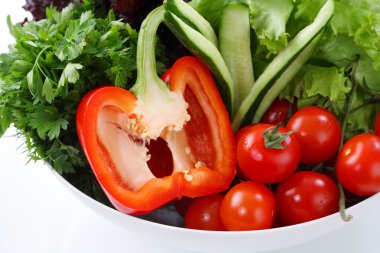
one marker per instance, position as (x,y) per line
(53,63)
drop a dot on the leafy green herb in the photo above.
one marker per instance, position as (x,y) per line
(53,63)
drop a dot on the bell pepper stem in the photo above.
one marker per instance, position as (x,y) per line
(153,96)
(146,57)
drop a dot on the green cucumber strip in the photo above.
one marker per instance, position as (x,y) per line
(146,57)
(235,47)
(284,79)
(279,63)
(192,18)
(204,50)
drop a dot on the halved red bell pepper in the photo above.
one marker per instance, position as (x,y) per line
(145,149)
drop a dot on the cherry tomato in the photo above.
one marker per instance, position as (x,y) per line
(358,165)
(306,196)
(182,205)
(377,124)
(241,131)
(266,165)
(278,112)
(318,133)
(239,173)
(248,206)
(204,213)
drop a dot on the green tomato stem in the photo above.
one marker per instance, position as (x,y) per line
(370,102)
(350,72)
(342,204)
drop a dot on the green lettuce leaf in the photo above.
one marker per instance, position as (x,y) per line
(339,50)
(362,119)
(317,82)
(269,19)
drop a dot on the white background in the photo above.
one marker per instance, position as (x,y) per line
(38,215)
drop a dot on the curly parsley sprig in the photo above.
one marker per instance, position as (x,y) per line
(53,63)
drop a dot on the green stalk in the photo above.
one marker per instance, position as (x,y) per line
(157,106)
(146,57)
(235,47)
(285,78)
(280,62)
(351,73)
(192,18)
(206,51)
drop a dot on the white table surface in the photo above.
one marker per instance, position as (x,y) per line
(38,215)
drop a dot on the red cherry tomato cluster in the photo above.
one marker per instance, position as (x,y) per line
(276,184)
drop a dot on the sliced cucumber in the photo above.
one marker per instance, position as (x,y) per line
(279,64)
(192,18)
(235,47)
(284,79)
(203,49)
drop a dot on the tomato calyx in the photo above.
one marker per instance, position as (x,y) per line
(273,139)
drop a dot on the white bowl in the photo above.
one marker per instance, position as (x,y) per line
(210,241)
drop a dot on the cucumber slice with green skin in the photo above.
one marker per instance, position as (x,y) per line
(279,64)
(204,50)
(235,47)
(284,79)
(192,18)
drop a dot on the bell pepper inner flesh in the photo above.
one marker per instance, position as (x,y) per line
(122,149)
(200,130)
(181,152)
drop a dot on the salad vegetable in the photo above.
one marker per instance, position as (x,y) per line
(248,206)
(267,153)
(311,67)
(357,165)
(279,64)
(204,49)
(119,131)
(192,18)
(306,196)
(53,63)
(203,213)
(235,47)
(279,112)
(318,132)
